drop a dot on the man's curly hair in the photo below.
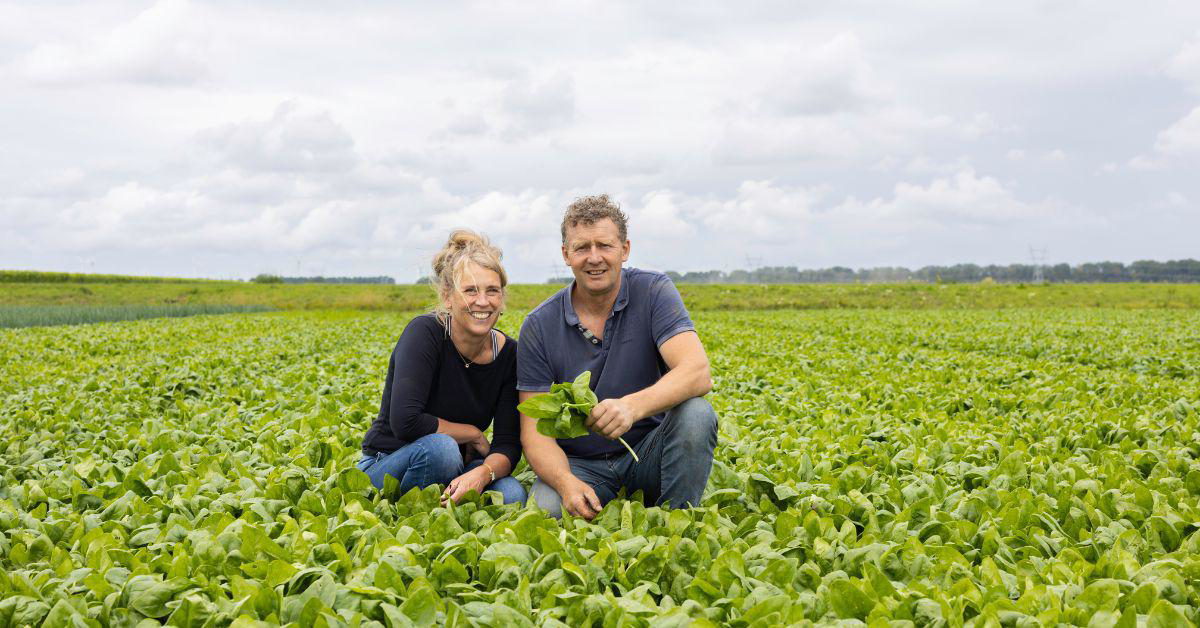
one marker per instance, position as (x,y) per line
(590,209)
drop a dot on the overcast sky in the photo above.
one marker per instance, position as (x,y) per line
(224,139)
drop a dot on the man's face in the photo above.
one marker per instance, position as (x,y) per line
(595,253)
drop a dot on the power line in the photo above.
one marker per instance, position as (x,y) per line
(1038,256)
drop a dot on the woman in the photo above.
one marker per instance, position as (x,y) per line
(450,375)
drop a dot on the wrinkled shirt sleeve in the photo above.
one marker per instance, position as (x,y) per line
(668,316)
(412,367)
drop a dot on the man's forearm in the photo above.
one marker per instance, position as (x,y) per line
(676,386)
(549,463)
(546,458)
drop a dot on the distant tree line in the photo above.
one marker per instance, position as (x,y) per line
(278,279)
(1179,271)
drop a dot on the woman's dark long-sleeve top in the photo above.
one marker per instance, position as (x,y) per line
(427,380)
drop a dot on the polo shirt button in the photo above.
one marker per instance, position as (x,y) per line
(595,341)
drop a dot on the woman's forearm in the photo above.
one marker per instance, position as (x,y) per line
(460,432)
(499,463)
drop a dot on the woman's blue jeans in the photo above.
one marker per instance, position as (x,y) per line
(432,459)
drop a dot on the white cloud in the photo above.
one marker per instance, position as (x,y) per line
(964,198)
(1181,138)
(1144,163)
(923,165)
(757,141)
(165,44)
(660,217)
(465,124)
(827,102)
(291,140)
(795,225)
(535,107)
(834,77)
(1185,64)
(763,211)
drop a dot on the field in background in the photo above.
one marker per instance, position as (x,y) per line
(933,468)
(697,296)
(40,276)
(44,315)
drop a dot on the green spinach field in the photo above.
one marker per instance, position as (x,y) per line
(983,467)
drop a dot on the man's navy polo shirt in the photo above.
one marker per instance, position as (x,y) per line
(554,348)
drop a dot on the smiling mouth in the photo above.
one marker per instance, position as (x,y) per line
(480,316)
(594,273)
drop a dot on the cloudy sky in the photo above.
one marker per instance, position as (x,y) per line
(224,139)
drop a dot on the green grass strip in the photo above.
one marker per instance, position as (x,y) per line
(46,315)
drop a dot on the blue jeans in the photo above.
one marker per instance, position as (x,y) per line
(432,459)
(676,458)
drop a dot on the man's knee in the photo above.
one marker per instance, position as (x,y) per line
(695,423)
(511,489)
(443,457)
(546,498)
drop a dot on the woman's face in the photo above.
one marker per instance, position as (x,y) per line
(476,305)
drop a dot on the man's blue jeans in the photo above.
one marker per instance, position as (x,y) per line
(432,459)
(676,458)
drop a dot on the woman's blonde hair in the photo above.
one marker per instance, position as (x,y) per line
(461,247)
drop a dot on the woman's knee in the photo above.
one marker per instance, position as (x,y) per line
(442,457)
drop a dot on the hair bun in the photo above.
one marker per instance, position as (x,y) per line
(461,239)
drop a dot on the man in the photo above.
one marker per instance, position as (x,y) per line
(649,370)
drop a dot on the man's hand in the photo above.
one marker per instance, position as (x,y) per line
(476,480)
(579,499)
(611,418)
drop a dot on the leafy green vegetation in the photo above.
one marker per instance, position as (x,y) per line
(561,413)
(923,467)
(43,315)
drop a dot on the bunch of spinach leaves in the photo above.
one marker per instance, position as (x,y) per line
(561,413)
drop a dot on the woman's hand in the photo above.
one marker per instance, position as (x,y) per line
(473,441)
(476,480)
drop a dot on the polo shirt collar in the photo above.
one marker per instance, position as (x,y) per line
(622,299)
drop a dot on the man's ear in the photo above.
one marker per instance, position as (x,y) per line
(564,254)
(625,254)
